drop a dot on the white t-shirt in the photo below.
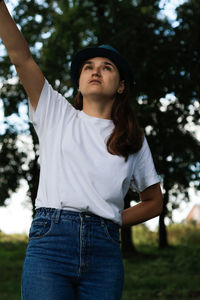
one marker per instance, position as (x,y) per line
(76,170)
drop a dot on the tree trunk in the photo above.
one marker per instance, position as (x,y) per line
(127,248)
(163,240)
(102,20)
(34,170)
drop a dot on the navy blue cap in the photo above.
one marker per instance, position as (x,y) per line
(107,51)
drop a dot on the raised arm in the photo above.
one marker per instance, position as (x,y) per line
(29,72)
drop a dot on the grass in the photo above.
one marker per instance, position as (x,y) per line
(12,251)
(172,273)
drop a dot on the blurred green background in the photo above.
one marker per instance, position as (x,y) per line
(165,55)
(150,273)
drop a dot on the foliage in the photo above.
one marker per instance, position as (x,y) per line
(10,160)
(184,234)
(165,63)
(179,234)
(142,235)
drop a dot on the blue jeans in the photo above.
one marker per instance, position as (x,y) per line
(72,255)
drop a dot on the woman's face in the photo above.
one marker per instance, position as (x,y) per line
(100,77)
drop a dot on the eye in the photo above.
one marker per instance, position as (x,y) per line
(107,68)
(87,67)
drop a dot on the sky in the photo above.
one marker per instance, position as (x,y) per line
(16,217)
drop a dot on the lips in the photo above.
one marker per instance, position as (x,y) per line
(94,81)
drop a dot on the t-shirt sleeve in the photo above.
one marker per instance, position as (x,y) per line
(51,108)
(144,172)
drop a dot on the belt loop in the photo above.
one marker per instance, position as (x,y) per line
(57,215)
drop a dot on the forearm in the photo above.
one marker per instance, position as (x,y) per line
(12,38)
(141,212)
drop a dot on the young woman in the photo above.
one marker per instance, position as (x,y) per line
(90,155)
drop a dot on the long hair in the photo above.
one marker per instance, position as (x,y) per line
(127,136)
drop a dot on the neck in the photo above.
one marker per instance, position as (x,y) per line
(98,108)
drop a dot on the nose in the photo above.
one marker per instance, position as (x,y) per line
(96,71)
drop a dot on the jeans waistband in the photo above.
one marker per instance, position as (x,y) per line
(56,214)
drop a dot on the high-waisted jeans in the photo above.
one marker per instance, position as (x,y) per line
(72,255)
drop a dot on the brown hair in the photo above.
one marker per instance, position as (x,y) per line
(127,137)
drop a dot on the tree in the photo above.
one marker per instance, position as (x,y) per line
(151,45)
(181,161)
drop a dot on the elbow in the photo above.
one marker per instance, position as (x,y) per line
(157,206)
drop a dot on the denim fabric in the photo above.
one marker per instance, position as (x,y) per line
(72,255)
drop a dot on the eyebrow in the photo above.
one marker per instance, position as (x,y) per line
(105,63)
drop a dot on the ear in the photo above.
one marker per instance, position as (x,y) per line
(121,87)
